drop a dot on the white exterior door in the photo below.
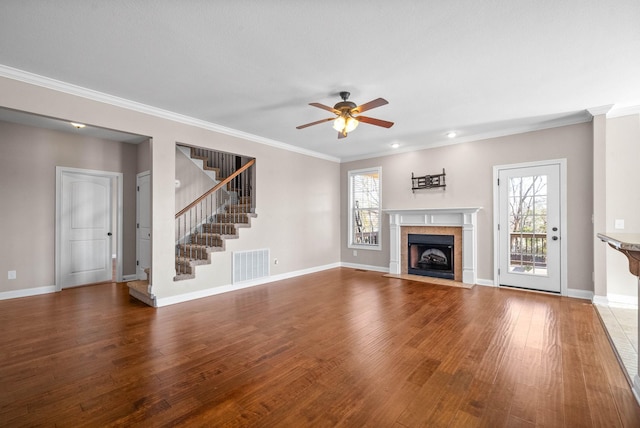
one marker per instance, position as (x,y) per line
(529,227)
(85,228)
(143,224)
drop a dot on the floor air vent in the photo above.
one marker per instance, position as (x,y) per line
(249,265)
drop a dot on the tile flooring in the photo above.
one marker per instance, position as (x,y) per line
(622,327)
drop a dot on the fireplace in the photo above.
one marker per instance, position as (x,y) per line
(460,222)
(431,255)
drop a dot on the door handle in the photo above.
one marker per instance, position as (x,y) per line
(109,234)
(555,238)
(555,229)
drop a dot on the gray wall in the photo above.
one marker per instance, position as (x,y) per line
(623,201)
(144,157)
(469,168)
(301,199)
(28,160)
(298,196)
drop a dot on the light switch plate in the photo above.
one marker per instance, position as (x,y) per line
(619,223)
(11,274)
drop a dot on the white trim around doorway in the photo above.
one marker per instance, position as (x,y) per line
(562,163)
(118,188)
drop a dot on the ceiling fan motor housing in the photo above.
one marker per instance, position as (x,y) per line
(344,105)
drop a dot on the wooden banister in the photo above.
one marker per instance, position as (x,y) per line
(216,187)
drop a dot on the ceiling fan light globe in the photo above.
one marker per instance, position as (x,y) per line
(351,124)
(339,124)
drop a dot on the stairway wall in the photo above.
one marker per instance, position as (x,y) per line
(297,219)
(193,182)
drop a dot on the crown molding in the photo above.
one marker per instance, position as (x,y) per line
(79,91)
(624,111)
(596,111)
(573,119)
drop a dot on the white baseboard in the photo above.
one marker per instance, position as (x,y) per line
(622,301)
(636,388)
(580,294)
(600,300)
(298,273)
(14,294)
(365,267)
(180,298)
(126,278)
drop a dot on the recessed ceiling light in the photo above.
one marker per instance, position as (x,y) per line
(451,134)
(78,125)
(395,145)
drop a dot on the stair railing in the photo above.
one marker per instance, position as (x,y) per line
(226,163)
(236,190)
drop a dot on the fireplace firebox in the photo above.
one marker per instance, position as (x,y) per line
(431,255)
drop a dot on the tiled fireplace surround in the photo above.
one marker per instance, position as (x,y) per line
(459,222)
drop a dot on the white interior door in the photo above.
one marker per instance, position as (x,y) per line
(143,229)
(85,228)
(529,228)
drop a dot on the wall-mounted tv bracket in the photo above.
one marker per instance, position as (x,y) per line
(428,181)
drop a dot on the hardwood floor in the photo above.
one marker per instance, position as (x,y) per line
(337,348)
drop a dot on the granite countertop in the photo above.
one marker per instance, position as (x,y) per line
(622,241)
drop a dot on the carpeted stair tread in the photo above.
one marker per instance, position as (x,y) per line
(194,251)
(183,276)
(236,218)
(220,228)
(207,239)
(239,208)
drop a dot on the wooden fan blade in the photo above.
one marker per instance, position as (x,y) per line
(324,107)
(372,121)
(316,122)
(371,104)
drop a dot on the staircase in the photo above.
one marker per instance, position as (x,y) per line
(204,225)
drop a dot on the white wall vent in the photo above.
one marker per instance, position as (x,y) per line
(249,265)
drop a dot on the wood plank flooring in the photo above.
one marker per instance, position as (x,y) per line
(340,348)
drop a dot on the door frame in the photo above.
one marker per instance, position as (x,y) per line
(138,177)
(117,192)
(562,164)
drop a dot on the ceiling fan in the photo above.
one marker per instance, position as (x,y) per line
(348,115)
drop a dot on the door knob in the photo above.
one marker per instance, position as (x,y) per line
(555,238)
(555,229)
(109,234)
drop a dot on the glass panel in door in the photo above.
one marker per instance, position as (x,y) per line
(528,224)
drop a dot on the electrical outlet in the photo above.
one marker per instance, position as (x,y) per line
(355,253)
(11,274)
(619,223)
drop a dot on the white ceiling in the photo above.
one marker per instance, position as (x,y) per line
(481,68)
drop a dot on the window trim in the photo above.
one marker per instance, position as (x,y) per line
(350,207)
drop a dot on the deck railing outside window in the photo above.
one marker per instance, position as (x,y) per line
(528,252)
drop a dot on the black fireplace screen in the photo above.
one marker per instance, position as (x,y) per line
(431,255)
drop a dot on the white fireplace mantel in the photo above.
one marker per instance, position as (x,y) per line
(466,218)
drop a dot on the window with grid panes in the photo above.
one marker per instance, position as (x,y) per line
(365,208)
